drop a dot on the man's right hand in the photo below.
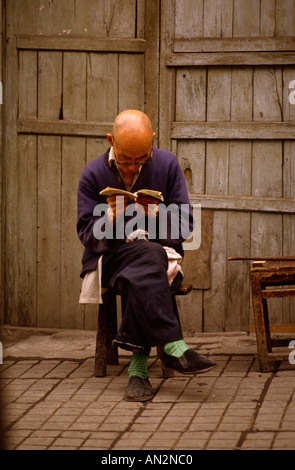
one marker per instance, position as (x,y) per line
(118,205)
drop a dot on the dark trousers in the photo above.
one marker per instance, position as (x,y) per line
(138,271)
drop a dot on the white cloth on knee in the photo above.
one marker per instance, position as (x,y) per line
(92,290)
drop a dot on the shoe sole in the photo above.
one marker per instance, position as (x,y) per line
(150,397)
(194,371)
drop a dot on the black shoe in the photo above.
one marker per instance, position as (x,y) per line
(138,389)
(189,362)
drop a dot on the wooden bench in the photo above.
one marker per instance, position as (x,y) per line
(107,328)
(270,279)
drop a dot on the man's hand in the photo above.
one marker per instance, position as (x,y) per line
(149,204)
(118,205)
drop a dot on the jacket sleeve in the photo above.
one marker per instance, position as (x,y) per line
(175,215)
(88,198)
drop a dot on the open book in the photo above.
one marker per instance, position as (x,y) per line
(145,192)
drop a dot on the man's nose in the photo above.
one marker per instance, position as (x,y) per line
(133,167)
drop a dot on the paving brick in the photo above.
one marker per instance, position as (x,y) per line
(258,441)
(284,440)
(40,370)
(59,404)
(223,440)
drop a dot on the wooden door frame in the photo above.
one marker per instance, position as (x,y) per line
(152,66)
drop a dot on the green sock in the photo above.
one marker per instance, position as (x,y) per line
(176,348)
(138,366)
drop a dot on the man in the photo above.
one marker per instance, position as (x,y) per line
(136,264)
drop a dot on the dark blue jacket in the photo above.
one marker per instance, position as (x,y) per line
(162,174)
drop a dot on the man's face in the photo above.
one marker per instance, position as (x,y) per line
(130,155)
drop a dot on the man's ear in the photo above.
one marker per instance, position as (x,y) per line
(110,139)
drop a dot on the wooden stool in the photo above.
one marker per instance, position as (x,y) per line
(274,274)
(107,329)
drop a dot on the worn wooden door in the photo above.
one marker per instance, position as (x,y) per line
(226,66)
(70,67)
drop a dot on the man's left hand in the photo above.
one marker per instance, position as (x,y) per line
(149,204)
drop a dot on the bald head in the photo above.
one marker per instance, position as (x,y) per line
(132,130)
(132,121)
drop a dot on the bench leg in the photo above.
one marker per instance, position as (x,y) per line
(106,330)
(261,324)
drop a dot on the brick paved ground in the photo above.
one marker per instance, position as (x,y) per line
(59,404)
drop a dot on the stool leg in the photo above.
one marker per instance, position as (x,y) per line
(106,330)
(112,352)
(100,366)
(166,371)
(261,324)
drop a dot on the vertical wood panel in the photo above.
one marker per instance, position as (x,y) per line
(288,315)
(267,18)
(238,288)
(27,194)
(217,161)
(94,148)
(131,85)
(285,18)
(218,94)
(11,165)
(267,169)
(90,20)
(192,158)
(2,194)
(246,18)
(189,18)
(267,91)
(214,299)
(27,237)
(167,75)
(46,17)
(74,85)
(241,94)
(102,87)
(191,94)
(49,85)
(73,162)
(217,166)
(266,230)
(218,18)
(28,84)
(150,12)
(238,224)
(227,11)
(120,18)
(141,9)
(49,193)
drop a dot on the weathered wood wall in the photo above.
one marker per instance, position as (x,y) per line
(71,67)
(213,76)
(2,284)
(228,66)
